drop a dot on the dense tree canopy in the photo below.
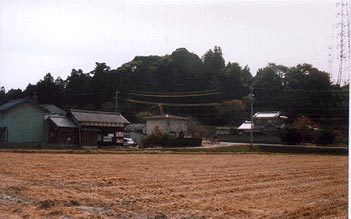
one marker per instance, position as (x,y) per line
(297,91)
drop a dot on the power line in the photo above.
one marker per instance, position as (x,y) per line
(175,95)
(173,104)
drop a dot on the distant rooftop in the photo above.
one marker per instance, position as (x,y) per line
(267,114)
(245,126)
(98,116)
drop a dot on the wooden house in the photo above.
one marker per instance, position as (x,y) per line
(62,130)
(268,121)
(25,121)
(99,128)
(264,122)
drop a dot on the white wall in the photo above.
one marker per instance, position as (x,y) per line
(169,126)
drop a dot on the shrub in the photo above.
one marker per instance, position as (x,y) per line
(291,136)
(326,137)
(157,138)
(306,127)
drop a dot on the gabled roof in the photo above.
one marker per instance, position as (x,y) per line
(13,103)
(62,121)
(54,109)
(98,116)
(167,116)
(267,114)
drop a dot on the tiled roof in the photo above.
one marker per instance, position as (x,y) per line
(98,116)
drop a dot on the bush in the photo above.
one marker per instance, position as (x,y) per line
(326,137)
(158,138)
(291,136)
(307,128)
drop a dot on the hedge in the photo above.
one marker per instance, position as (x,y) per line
(165,140)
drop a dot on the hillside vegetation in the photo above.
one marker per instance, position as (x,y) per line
(206,88)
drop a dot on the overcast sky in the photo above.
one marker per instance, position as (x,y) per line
(41,36)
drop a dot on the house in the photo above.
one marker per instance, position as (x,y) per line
(87,128)
(99,128)
(22,121)
(166,123)
(62,130)
(136,131)
(25,121)
(264,122)
(265,129)
(269,120)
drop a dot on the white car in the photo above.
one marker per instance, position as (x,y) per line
(128,142)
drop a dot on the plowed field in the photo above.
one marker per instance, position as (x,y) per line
(172,186)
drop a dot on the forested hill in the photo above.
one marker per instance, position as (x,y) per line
(205,88)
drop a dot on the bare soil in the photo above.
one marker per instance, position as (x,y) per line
(172,186)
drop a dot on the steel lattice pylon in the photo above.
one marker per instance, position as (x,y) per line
(339,51)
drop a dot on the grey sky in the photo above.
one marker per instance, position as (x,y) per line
(38,36)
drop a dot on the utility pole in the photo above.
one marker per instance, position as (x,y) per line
(116,102)
(251,95)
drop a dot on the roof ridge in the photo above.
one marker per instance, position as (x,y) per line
(57,115)
(91,111)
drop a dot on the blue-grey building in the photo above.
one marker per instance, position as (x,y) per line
(22,120)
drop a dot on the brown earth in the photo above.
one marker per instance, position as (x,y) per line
(172,186)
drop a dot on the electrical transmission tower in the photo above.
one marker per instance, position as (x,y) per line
(339,51)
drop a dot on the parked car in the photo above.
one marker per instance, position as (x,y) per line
(128,142)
